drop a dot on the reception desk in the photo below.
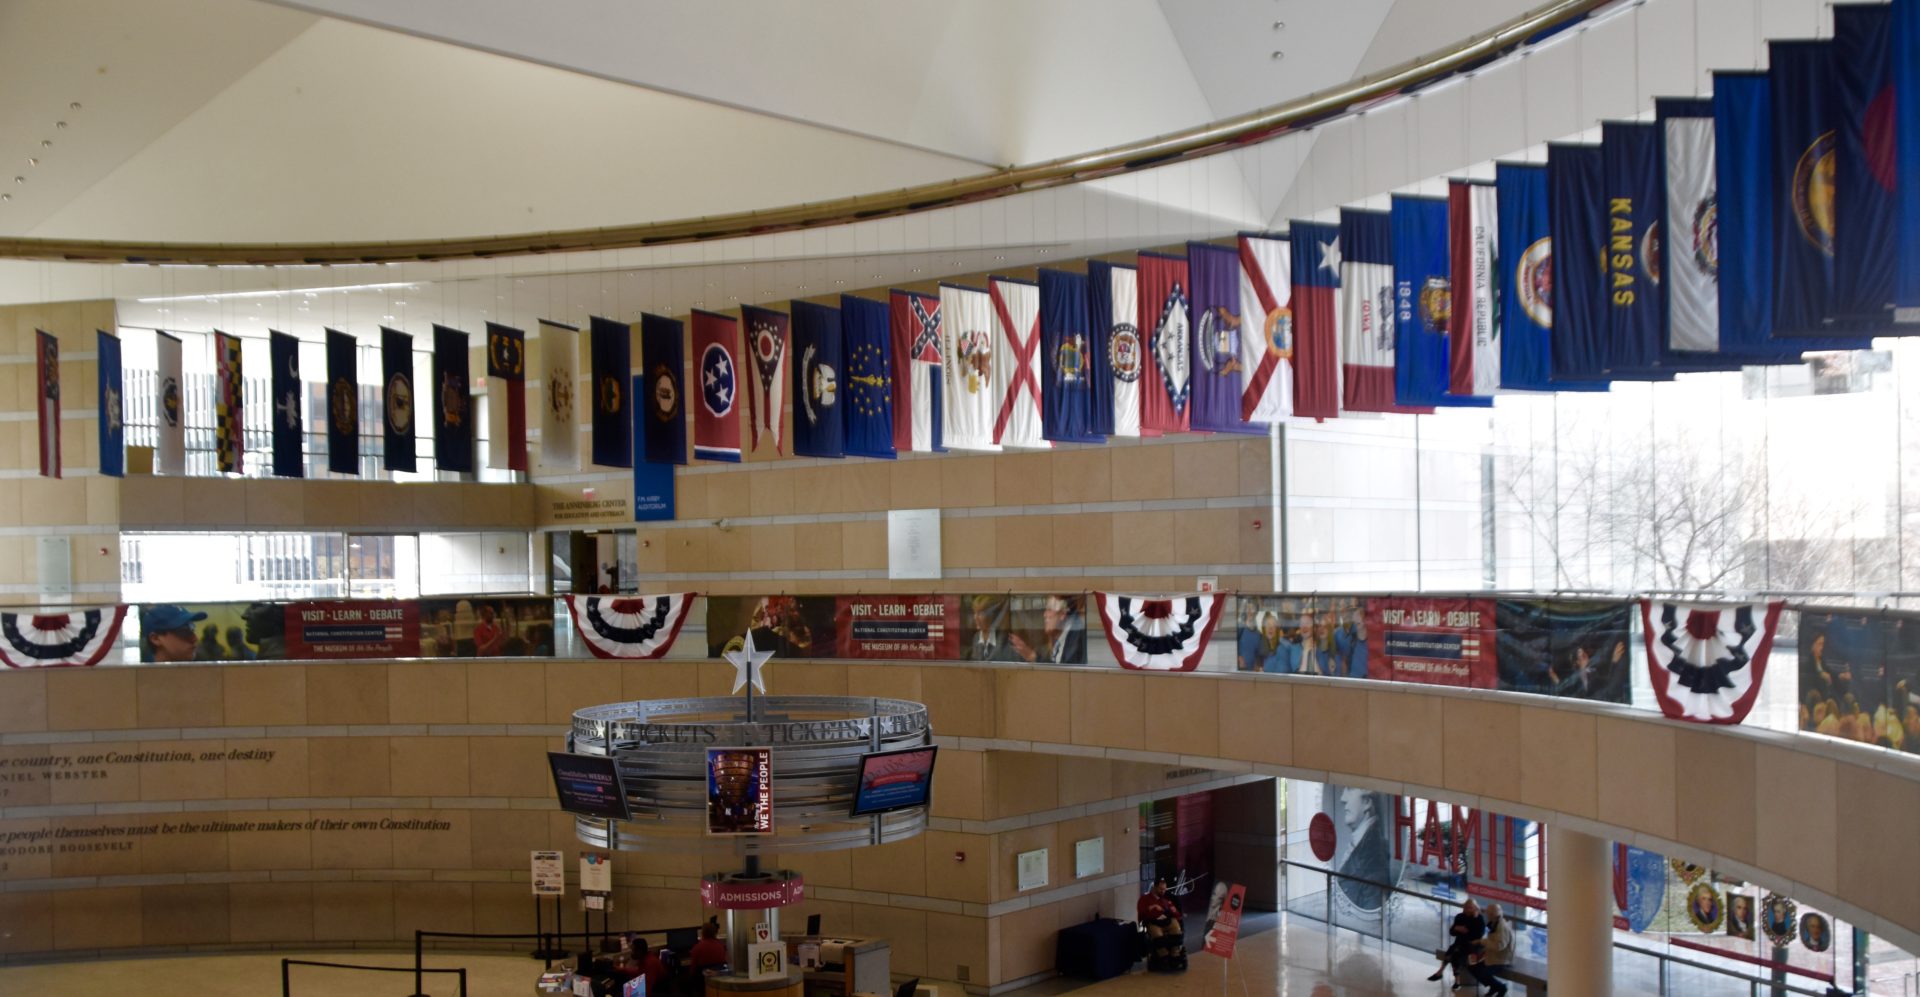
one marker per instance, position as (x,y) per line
(728,984)
(846,965)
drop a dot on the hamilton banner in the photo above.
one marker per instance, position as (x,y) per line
(1558,647)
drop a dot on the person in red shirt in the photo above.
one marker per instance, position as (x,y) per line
(1159,913)
(706,953)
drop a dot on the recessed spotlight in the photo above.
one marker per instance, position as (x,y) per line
(837,283)
(46,143)
(6,197)
(75,106)
(33,161)
(916,269)
(1277,55)
(59,124)
(998,258)
(876,276)
(1279,25)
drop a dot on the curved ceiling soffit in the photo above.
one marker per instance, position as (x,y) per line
(1194,143)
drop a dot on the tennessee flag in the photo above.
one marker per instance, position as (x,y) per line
(1266,333)
(716,418)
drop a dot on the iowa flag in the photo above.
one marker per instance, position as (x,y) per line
(768,339)
(506,397)
(914,360)
(1266,331)
(1113,306)
(716,417)
(971,399)
(47,365)
(1366,311)
(1016,363)
(866,408)
(1166,360)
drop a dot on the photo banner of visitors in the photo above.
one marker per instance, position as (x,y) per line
(478,626)
(1433,641)
(790,626)
(315,630)
(1302,635)
(1860,677)
(1574,648)
(1024,627)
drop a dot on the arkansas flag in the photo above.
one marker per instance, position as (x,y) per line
(1159,633)
(1266,330)
(716,419)
(1166,357)
(768,338)
(914,360)
(630,626)
(971,399)
(1113,292)
(47,357)
(1016,363)
(1316,320)
(1473,327)
(1706,660)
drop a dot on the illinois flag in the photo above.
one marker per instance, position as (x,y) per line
(559,372)
(506,397)
(1706,661)
(768,338)
(1366,311)
(609,388)
(1166,361)
(662,409)
(170,451)
(919,380)
(867,410)
(1067,353)
(1219,378)
(229,426)
(113,404)
(47,364)
(1473,327)
(971,399)
(1112,307)
(343,403)
(1016,362)
(1266,331)
(817,389)
(1316,320)
(716,420)
(289,419)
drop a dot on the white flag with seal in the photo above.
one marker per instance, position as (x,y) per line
(559,371)
(971,395)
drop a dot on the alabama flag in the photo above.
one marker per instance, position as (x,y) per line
(48,364)
(915,364)
(716,371)
(1266,331)
(1113,304)
(971,398)
(1166,362)
(767,341)
(1016,363)
(1473,327)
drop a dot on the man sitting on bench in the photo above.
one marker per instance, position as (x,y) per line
(1494,952)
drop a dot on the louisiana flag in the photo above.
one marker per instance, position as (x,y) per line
(817,425)
(170,448)
(970,401)
(289,417)
(1266,332)
(229,424)
(506,397)
(1069,358)
(1865,186)
(866,410)
(46,355)
(1166,360)
(396,380)
(112,397)
(452,402)
(1473,325)
(716,369)
(767,343)
(611,344)
(1316,320)
(343,403)
(1422,304)
(914,362)
(1016,362)
(662,410)
(1219,380)
(1366,313)
(559,370)
(1576,211)
(1113,293)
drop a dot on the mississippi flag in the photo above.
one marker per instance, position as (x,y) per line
(1473,327)
(1266,330)
(1016,363)
(716,419)
(47,356)
(1316,320)
(1166,359)
(915,363)
(507,401)
(1113,293)
(768,338)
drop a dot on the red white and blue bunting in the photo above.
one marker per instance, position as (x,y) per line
(1159,633)
(1706,660)
(630,626)
(78,638)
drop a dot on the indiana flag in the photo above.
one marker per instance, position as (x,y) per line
(970,401)
(229,426)
(170,450)
(716,368)
(289,417)
(1113,306)
(396,368)
(1316,320)
(343,403)
(767,343)
(611,358)
(452,402)
(47,364)
(1422,303)
(662,410)
(1166,360)
(506,397)
(817,390)
(867,408)
(1068,355)
(1705,661)
(1865,182)
(112,398)
(1266,332)
(1473,326)
(1219,379)
(559,370)
(919,380)
(1576,211)
(1016,362)
(1366,311)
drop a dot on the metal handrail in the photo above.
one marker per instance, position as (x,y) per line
(286,975)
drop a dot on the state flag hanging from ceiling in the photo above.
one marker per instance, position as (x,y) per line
(1803,94)
(1069,359)
(1159,633)
(452,402)
(1706,661)
(229,424)
(1576,211)
(768,340)
(716,417)
(867,405)
(1017,366)
(289,415)
(343,403)
(47,366)
(1266,331)
(170,450)
(1904,41)
(1113,296)
(559,373)
(1630,169)
(915,364)
(1219,380)
(612,362)
(1423,303)
(1526,282)
(506,397)
(817,389)
(1366,313)
(1690,226)
(396,367)
(971,400)
(1316,319)
(1166,360)
(112,398)
(663,410)
(1865,182)
(1473,328)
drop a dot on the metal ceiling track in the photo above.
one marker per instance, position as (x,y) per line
(1190,144)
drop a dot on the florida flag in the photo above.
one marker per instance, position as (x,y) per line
(971,399)
(917,376)
(1266,332)
(1473,327)
(1113,293)
(767,341)
(1166,361)
(1016,363)
(1706,661)
(716,371)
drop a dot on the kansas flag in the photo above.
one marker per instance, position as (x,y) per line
(611,364)
(1066,348)
(1316,320)
(866,409)
(289,417)
(662,410)
(452,402)
(343,403)
(1630,168)
(817,390)
(716,368)
(113,403)
(1576,210)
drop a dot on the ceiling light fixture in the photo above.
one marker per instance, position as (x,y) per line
(309,291)
(1278,55)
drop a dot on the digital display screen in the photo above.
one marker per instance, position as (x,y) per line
(740,791)
(588,785)
(894,780)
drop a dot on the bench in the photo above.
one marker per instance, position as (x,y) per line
(1530,975)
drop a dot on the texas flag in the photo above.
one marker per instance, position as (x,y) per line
(1316,320)
(1166,360)
(1016,363)
(1266,331)
(716,418)
(767,341)
(917,375)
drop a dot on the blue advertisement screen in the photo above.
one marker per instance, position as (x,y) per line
(894,780)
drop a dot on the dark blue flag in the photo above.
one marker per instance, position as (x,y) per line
(612,410)
(1804,145)
(653,497)
(452,402)
(289,419)
(1066,352)
(817,370)
(1630,163)
(1422,304)
(113,406)
(1905,45)
(396,392)
(866,350)
(1864,184)
(1219,378)
(1526,282)
(1099,343)
(662,410)
(343,403)
(1576,212)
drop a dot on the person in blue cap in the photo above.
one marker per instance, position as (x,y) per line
(166,633)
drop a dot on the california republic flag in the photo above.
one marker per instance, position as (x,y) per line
(1474,260)
(1706,660)
(1266,334)
(1159,633)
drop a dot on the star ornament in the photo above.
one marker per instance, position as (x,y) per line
(748,665)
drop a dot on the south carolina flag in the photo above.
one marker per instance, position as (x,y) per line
(915,363)
(716,416)
(1166,357)
(1316,320)
(971,399)
(1016,363)
(1366,312)
(506,397)
(1266,330)
(768,340)
(289,419)
(47,359)
(1473,330)
(1113,293)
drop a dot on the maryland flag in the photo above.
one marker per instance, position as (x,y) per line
(229,428)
